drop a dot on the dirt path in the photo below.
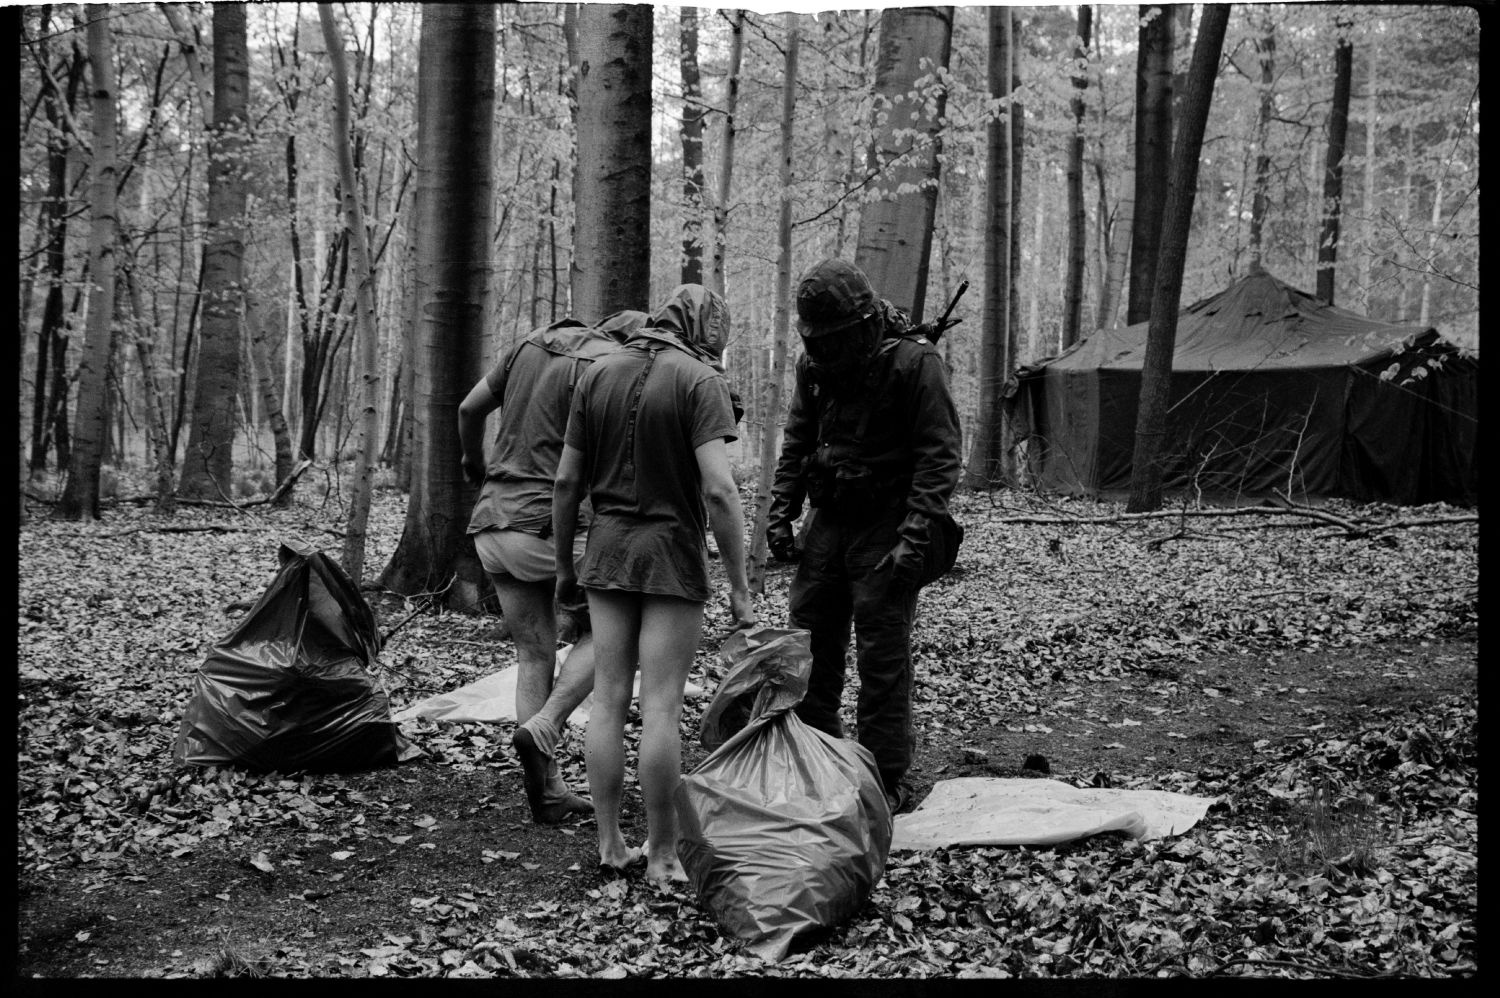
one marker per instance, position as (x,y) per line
(436,848)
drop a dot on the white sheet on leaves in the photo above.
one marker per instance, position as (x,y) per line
(977,810)
(493,698)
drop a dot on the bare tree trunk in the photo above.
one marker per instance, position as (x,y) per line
(1116,235)
(851,170)
(80,498)
(1153,151)
(895,232)
(208,463)
(157,432)
(54,219)
(455,105)
(1372,128)
(1407,193)
(771,396)
(1333,171)
(612,250)
(367,428)
(692,150)
(1265,47)
(1182,184)
(995,356)
(1072,319)
(270,394)
(726,150)
(1429,266)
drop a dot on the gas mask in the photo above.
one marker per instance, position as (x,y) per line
(838,359)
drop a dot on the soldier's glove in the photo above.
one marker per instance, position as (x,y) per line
(904,561)
(782,542)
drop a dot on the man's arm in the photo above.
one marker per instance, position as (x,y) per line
(935,438)
(799,438)
(722,500)
(478,404)
(567,493)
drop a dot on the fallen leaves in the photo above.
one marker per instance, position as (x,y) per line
(112,627)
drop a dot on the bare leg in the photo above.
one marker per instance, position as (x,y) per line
(669,634)
(574,682)
(617,620)
(528,608)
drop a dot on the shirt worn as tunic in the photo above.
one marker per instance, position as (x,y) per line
(639,416)
(532,384)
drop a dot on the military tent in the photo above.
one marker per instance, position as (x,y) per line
(1273,391)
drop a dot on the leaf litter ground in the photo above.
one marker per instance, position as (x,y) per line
(1323,687)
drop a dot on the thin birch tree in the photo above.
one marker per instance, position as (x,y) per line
(726,150)
(367,335)
(772,391)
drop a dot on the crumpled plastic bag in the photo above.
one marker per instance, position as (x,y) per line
(783,830)
(290,687)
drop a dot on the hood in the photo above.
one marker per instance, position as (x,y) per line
(694,319)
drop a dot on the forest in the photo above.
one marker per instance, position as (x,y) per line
(265,249)
(764,130)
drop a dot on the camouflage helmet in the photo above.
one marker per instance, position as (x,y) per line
(832,296)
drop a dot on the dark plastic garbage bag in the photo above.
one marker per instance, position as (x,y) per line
(783,829)
(290,688)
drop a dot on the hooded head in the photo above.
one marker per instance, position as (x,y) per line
(699,318)
(620,325)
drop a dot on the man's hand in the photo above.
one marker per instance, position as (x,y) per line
(565,590)
(473,470)
(740,609)
(904,562)
(782,542)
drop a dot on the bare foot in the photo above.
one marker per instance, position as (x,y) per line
(621,862)
(666,873)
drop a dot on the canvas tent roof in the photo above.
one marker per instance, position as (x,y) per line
(1273,391)
(1256,323)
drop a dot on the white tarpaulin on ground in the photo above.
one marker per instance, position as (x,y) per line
(493,698)
(986,811)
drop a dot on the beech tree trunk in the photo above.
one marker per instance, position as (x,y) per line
(895,232)
(1153,151)
(1161,336)
(455,104)
(207,464)
(1072,319)
(80,498)
(612,248)
(771,394)
(997,338)
(1333,171)
(367,427)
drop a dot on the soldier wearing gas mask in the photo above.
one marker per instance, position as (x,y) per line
(871,443)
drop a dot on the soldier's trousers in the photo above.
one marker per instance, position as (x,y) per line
(836,583)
